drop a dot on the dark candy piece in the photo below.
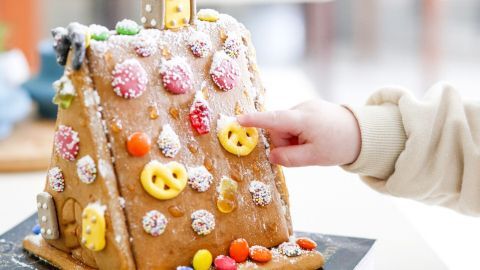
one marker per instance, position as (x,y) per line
(61,44)
(73,36)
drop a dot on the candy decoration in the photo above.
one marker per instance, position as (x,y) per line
(61,44)
(199,178)
(177,77)
(94,226)
(306,243)
(176,211)
(55,179)
(208,15)
(200,44)
(227,195)
(86,169)
(129,79)
(127,27)
(154,223)
(47,216)
(223,262)
(184,268)
(261,193)
(75,36)
(290,249)
(202,260)
(169,142)
(200,114)
(138,144)
(203,222)
(234,138)
(233,45)
(164,182)
(225,71)
(168,14)
(145,46)
(260,254)
(239,250)
(36,229)
(99,33)
(67,143)
(64,92)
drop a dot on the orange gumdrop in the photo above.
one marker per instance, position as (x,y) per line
(260,254)
(138,144)
(306,243)
(239,250)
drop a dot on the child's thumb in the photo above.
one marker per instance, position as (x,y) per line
(293,156)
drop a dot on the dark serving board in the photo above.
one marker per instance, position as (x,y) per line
(340,252)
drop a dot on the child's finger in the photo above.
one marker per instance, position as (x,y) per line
(293,156)
(282,121)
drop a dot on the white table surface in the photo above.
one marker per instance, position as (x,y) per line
(325,200)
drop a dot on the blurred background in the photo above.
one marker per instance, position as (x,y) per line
(339,50)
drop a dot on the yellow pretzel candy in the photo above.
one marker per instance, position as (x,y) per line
(238,140)
(164,181)
(93,227)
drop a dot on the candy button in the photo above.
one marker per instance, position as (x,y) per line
(98,32)
(239,250)
(225,71)
(127,27)
(86,169)
(138,144)
(64,92)
(223,262)
(145,46)
(199,178)
(200,114)
(203,222)
(208,15)
(169,142)
(200,44)
(202,260)
(233,45)
(67,143)
(290,249)
(306,243)
(261,193)
(93,226)
(260,254)
(164,182)
(234,138)
(55,179)
(154,223)
(129,79)
(177,77)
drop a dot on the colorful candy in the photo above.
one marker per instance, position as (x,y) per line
(145,46)
(227,195)
(200,44)
(127,27)
(233,45)
(55,179)
(129,79)
(261,193)
(86,169)
(154,223)
(260,254)
(290,249)
(202,260)
(184,268)
(138,144)
(306,243)
(199,178)
(94,226)
(203,222)
(200,114)
(239,250)
(208,15)
(223,262)
(169,142)
(163,182)
(225,71)
(67,143)
(177,77)
(64,92)
(236,139)
(36,229)
(98,32)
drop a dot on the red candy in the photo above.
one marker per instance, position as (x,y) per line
(67,142)
(177,76)
(260,254)
(200,114)
(138,144)
(239,250)
(129,79)
(224,71)
(223,262)
(306,243)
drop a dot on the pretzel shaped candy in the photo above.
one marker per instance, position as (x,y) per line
(93,227)
(238,140)
(164,181)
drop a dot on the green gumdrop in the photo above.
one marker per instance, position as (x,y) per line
(127,27)
(64,101)
(100,36)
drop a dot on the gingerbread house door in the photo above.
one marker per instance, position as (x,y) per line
(169,14)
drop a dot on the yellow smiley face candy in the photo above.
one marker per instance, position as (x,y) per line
(93,227)
(164,182)
(236,139)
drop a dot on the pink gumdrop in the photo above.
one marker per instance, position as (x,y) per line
(223,262)
(129,79)
(177,77)
(224,71)
(67,143)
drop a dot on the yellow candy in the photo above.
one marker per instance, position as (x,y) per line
(177,13)
(164,182)
(227,199)
(238,140)
(88,38)
(202,260)
(93,227)
(209,15)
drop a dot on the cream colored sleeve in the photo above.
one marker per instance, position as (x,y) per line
(425,150)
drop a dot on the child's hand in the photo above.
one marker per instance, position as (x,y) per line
(311,133)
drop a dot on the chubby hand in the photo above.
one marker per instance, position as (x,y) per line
(312,133)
